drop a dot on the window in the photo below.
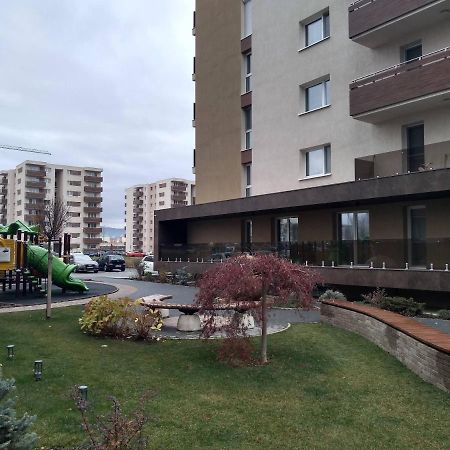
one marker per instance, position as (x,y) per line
(74,172)
(317,96)
(247,31)
(248,180)
(411,51)
(248,72)
(317,30)
(318,161)
(248,128)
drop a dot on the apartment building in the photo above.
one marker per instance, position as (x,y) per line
(141,202)
(26,190)
(322,132)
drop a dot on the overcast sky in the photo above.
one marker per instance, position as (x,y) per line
(100,83)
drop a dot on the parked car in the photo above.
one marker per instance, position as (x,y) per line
(135,254)
(84,263)
(147,265)
(109,263)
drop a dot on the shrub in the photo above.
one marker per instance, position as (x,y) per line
(444,314)
(105,317)
(14,431)
(114,431)
(329,294)
(236,351)
(402,305)
(123,318)
(375,297)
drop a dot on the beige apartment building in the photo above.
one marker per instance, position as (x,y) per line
(141,202)
(323,133)
(33,184)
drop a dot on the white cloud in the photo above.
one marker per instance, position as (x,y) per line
(100,83)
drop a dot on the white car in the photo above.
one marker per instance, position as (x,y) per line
(147,265)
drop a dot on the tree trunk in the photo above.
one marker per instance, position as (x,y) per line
(48,311)
(264,327)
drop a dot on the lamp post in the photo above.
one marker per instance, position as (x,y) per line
(83,393)
(10,349)
(38,370)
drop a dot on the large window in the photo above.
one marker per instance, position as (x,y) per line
(248,128)
(247,31)
(248,72)
(317,95)
(317,30)
(318,161)
(248,180)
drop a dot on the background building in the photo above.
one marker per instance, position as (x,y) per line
(323,132)
(26,189)
(141,202)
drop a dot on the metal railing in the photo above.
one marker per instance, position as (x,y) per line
(431,254)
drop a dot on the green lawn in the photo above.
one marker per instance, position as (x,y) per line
(325,389)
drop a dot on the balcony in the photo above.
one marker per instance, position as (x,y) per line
(93,190)
(406,88)
(37,195)
(92,241)
(376,22)
(430,157)
(93,199)
(91,179)
(92,220)
(35,184)
(89,230)
(93,209)
(35,173)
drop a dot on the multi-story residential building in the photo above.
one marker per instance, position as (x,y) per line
(141,202)
(33,184)
(323,132)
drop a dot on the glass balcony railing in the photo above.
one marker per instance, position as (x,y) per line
(429,157)
(377,254)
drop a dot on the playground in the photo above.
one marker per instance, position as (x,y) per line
(24,269)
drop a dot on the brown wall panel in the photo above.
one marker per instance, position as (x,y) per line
(218,100)
(397,85)
(365,15)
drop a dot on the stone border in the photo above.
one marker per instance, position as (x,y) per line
(424,350)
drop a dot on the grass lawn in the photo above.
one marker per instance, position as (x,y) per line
(325,389)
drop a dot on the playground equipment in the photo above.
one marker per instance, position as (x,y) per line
(24,265)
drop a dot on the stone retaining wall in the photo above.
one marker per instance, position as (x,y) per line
(429,363)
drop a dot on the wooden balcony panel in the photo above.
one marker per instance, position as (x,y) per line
(415,82)
(93,190)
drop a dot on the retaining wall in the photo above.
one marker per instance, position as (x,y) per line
(424,350)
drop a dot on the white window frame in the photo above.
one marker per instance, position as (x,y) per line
(247,129)
(324,18)
(326,149)
(248,180)
(325,83)
(246,18)
(247,73)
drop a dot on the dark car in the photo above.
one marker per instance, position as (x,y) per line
(84,263)
(111,262)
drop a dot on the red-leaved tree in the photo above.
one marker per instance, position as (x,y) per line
(253,283)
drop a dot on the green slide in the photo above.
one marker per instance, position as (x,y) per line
(62,273)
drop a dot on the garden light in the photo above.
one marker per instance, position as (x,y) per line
(10,349)
(38,369)
(83,392)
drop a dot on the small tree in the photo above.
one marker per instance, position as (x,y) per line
(52,223)
(265,280)
(14,434)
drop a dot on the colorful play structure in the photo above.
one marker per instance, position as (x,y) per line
(24,264)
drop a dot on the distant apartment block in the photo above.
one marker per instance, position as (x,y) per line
(26,190)
(141,202)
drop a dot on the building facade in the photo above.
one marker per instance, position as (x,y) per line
(33,184)
(323,133)
(141,202)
